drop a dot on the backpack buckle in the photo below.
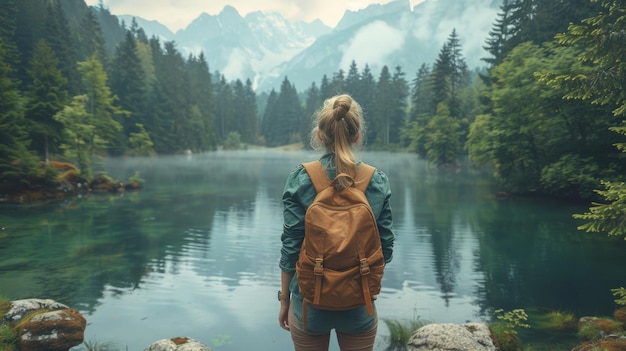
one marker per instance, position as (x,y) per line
(365,266)
(319,266)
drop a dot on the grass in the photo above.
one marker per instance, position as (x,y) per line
(94,345)
(400,332)
(7,338)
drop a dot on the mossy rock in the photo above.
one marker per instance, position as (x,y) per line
(105,184)
(612,343)
(595,328)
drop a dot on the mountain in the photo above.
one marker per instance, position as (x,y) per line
(266,47)
(152,28)
(239,47)
(392,35)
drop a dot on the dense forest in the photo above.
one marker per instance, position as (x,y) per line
(545,114)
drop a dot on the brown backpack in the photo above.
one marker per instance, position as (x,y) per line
(341,262)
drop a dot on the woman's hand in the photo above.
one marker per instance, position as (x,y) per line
(283,315)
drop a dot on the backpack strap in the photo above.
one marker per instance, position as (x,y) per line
(364,174)
(320,179)
(318,175)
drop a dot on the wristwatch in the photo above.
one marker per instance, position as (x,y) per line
(280,296)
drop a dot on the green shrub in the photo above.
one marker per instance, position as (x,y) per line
(504,337)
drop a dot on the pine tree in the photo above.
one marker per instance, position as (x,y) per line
(421,96)
(326,89)
(497,43)
(337,84)
(225,115)
(203,100)
(312,105)
(269,120)
(245,110)
(91,40)
(17,162)
(251,132)
(366,98)
(8,26)
(46,95)
(128,83)
(398,115)
(283,116)
(174,92)
(352,81)
(381,121)
(62,42)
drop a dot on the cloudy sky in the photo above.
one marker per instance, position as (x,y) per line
(177,14)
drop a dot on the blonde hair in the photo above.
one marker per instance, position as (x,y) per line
(338,127)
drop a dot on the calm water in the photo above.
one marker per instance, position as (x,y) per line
(196,252)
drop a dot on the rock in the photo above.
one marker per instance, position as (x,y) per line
(610,342)
(104,184)
(594,328)
(452,337)
(21,308)
(52,331)
(44,324)
(180,343)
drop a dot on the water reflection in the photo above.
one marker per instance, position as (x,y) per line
(195,253)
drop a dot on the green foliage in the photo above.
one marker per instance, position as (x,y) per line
(536,140)
(136,178)
(561,320)
(620,293)
(442,137)
(601,41)
(283,115)
(78,133)
(571,176)
(8,338)
(46,96)
(505,329)
(513,319)
(607,217)
(140,142)
(5,305)
(505,338)
(232,142)
(400,332)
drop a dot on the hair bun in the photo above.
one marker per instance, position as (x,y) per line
(341,108)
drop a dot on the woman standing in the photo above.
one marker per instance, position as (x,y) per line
(339,128)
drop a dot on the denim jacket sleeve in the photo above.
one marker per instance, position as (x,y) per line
(299,193)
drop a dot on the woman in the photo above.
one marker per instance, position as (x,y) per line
(339,128)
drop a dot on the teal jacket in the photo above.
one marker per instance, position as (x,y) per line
(299,193)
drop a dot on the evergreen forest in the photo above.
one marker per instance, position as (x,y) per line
(545,115)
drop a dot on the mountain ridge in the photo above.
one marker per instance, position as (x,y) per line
(266,47)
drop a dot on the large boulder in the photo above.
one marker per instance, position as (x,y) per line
(21,308)
(45,325)
(452,337)
(180,343)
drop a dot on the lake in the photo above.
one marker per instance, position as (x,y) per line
(195,253)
